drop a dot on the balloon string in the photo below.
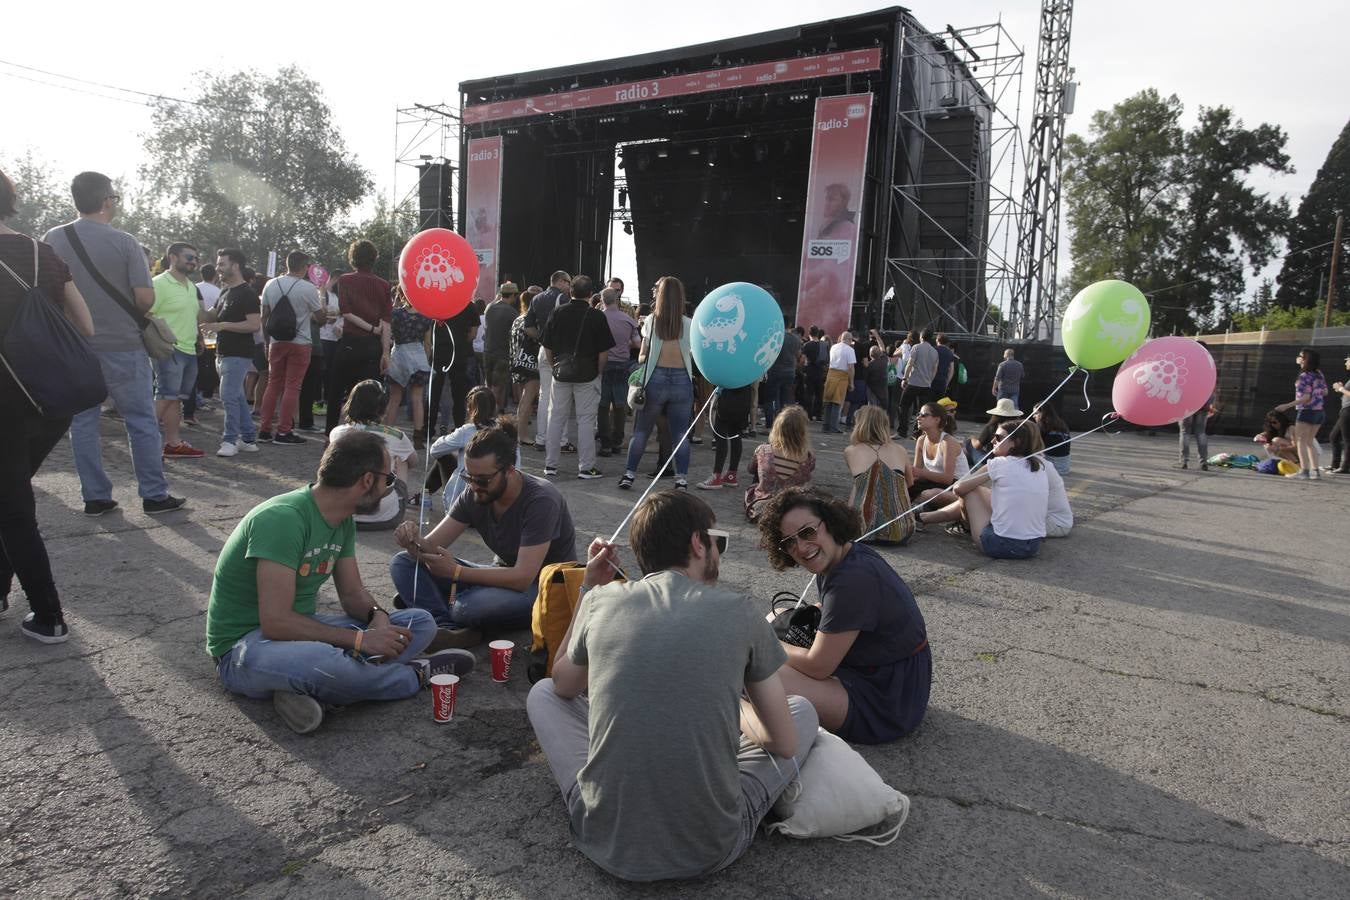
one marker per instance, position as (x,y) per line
(426,466)
(670,459)
(1087,404)
(712,426)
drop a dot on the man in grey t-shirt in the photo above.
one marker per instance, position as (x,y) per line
(641,721)
(119,260)
(288,360)
(1008,378)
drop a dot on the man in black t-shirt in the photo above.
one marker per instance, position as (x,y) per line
(452,348)
(235,319)
(575,343)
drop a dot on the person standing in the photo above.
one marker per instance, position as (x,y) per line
(1008,378)
(1194,426)
(614,380)
(365,303)
(497,320)
(111,273)
(838,380)
(541,307)
(287,357)
(916,388)
(667,364)
(176,377)
(946,368)
(29,435)
(781,379)
(208,382)
(1340,433)
(409,369)
(817,355)
(451,357)
(236,318)
(1310,391)
(576,343)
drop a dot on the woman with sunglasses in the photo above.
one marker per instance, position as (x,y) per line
(364,411)
(1004,505)
(869,669)
(939,458)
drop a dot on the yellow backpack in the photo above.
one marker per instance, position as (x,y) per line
(559,589)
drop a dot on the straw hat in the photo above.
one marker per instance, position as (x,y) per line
(1004,407)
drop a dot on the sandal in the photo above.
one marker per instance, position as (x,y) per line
(956,529)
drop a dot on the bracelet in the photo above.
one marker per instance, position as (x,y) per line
(454,578)
(375,608)
(356,648)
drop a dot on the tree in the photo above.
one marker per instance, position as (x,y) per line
(43,202)
(1170,210)
(389,229)
(254,162)
(1309,259)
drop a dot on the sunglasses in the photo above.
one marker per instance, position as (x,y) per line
(483,481)
(389,477)
(720,538)
(1001,435)
(805,533)
(189,257)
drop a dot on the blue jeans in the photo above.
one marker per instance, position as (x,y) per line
(1014,396)
(238,419)
(257,667)
(176,377)
(127,374)
(477,606)
(613,403)
(999,547)
(669,391)
(776,394)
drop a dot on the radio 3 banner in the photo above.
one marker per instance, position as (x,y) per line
(483,211)
(833,200)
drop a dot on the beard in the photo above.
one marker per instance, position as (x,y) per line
(370,503)
(487,498)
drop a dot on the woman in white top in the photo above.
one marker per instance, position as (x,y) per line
(364,411)
(939,459)
(1005,504)
(666,366)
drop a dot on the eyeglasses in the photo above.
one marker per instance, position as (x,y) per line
(116,198)
(805,533)
(389,477)
(924,415)
(189,257)
(483,481)
(720,538)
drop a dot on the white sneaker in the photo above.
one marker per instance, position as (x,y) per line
(248,446)
(227,449)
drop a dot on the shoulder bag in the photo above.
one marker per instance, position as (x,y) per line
(156,335)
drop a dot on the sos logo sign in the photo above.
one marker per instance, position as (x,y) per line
(837,251)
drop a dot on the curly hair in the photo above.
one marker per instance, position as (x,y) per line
(362,254)
(843,522)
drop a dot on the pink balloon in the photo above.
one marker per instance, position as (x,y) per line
(1164,381)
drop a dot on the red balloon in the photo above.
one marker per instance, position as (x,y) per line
(438,272)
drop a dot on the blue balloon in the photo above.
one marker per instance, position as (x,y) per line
(738,331)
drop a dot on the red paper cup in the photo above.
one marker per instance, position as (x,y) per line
(501,660)
(443,691)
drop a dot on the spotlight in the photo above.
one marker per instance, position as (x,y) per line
(627,227)
(662,153)
(694,151)
(623,197)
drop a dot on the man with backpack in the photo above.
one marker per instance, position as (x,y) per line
(642,720)
(289,306)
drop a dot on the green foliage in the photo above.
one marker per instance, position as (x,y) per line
(1314,226)
(1169,210)
(256,164)
(389,229)
(1279,318)
(43,202)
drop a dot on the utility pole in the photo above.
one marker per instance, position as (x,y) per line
(1331,282)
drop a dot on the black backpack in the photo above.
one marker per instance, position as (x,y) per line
(281,322)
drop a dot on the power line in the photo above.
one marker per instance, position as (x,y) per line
(68,87)
(148,96)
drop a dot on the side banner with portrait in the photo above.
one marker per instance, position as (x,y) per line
(483,211)
(833,200)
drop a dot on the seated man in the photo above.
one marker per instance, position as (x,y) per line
(523,520)
(260,622)
(646,765)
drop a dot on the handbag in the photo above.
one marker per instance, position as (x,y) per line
(795,624)
(567,368)
(156,335)
(48,359)
(637,384)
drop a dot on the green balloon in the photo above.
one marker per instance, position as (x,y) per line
(1104,323)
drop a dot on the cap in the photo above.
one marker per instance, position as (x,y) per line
(508,288)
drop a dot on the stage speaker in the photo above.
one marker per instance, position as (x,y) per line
(434,181)
(949,190)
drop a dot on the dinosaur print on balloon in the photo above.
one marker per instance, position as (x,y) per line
(725,330)
(436,269)
(1163,377)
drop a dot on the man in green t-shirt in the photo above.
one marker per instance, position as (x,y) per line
(261,626)
(177,303)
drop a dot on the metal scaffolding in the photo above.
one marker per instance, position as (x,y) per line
(424,135)
(1038,245)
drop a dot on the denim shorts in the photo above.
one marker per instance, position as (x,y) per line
(999,547)
(176,377)
(1311,416)
(408,366)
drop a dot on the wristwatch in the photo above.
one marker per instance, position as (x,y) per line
(374,608)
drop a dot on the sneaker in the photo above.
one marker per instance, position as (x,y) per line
(588,474)
(712,484)
(183,450)
(397,602)
(57,633)
(1204,467)
(696,440)
(320,409)
(265,436)
(301,712)
(312,429)
(541,446)
(729,479)
(1340,471)
(626,482)
(550,471)
(248,446)
(569,447)
(1301,474)
(1316,475)
(1185,464)
(446,662)
(288,438)
(99,507)
(162,505)
(681,484)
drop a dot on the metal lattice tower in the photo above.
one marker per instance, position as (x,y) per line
(1038,242)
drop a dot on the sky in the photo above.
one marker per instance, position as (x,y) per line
(1269,63)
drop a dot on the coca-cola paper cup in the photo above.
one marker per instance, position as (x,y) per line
(444,688)
(501,660)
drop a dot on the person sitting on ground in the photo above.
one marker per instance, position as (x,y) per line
(1278,435)
(365,411)
(1006,520)
(785,461)
(1055,432)
(261,626)
(521,518)
(869,669)
(880,470)
(446,452)
(664,770)
(977,448)
(939,459)
(1058,512)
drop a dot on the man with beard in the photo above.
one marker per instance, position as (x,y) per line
(261,627)
(642,720)
(176,377)
(521,518)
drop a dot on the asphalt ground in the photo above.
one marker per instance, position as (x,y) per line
(1156,706)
